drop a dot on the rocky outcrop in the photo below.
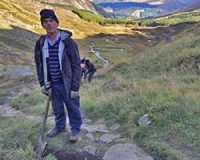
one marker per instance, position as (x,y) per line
(18,73)
(188,63)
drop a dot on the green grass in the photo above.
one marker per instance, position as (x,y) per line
(2,97)
(18,136)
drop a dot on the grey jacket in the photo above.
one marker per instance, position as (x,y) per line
(70,62)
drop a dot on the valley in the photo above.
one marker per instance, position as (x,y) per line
(154,70)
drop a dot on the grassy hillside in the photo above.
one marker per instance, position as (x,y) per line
(187,16)
(86,4)
(154,82)
(19,13)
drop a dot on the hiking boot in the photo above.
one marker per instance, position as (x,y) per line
(53,132)
(74,137)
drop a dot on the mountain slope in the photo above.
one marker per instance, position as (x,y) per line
(170,5)
(19,13)
(81,4)
(194,6)
(153,2)
(138,1)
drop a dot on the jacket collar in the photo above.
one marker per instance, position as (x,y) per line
(65,35)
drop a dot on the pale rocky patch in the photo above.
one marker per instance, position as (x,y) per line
(107,138)
(90,149)
(126,152)
(115,127)
(18,73)
(95,128)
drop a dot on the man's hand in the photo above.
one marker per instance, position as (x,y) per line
(46,90)
(74,94)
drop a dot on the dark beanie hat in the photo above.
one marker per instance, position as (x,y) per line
(47,13)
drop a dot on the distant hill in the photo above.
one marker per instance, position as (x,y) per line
(125,5)
(151,7)
(194,6)
(152,2)
(171,5)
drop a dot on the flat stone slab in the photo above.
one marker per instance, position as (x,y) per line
(126,152)
(115,127)
(90,136)
(95,128)
(107,138)
(90,149)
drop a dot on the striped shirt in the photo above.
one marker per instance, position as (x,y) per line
(53,63)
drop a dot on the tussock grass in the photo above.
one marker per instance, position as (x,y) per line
(30,102)
(2,97)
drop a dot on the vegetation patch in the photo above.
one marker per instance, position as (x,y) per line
(32,102)
(18,136)
(191,16)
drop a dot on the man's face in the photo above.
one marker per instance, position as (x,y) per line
(50,25)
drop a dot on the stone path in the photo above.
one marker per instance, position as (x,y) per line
(7,110)
(109,141)
(100,140)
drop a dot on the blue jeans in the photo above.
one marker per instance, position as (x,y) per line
(59,98)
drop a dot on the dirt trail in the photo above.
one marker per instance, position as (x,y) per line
(7,110)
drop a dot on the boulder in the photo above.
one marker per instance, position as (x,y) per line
(126,152)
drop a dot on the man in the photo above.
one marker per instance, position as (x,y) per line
(90,70)
(83,67)
(58,65)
